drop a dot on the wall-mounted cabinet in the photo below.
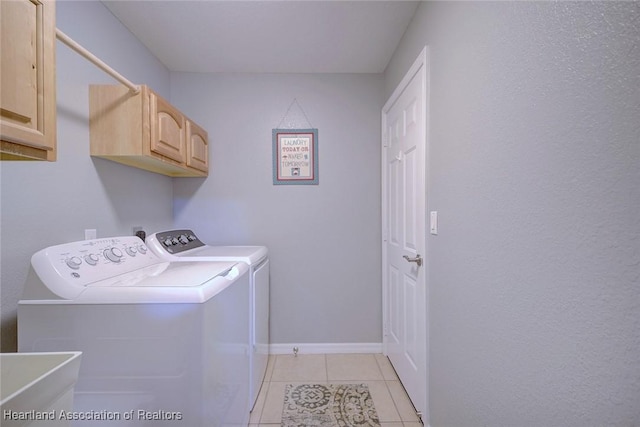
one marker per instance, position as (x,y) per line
(143,130)
(28,82)
(197,147)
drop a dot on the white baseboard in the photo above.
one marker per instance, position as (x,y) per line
(325,348)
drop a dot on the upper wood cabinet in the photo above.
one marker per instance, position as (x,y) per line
(197,147)
(28,82)
(145,131)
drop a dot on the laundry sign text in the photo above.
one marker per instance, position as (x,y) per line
(295,156)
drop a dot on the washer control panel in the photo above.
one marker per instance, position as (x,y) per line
(176,241)
(89,261)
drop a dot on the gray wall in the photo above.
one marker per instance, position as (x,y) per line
(44,204)
(324,240)
(535,172)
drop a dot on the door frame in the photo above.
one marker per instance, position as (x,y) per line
(420,65)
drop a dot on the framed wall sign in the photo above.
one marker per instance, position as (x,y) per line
(295,156)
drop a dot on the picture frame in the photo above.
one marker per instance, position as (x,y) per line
(295,156)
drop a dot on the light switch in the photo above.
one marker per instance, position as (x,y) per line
(434,222)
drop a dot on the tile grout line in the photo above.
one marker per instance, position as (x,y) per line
(326,368)
(266,382)
(264,405)
(386,383)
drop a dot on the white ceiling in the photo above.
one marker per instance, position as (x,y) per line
(268,36)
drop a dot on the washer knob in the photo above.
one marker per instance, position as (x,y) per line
(131,250)
(91,259)
(74,262)
(113,254)
(142,249)
(184,239)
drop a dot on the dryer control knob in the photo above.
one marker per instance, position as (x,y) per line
(184,239)
(113,254)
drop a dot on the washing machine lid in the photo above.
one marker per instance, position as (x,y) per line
(167,274)
(184,282)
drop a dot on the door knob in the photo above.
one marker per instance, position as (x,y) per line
(417,259)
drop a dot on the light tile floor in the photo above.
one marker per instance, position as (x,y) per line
(392,404)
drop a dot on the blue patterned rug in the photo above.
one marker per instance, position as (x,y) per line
(333,405)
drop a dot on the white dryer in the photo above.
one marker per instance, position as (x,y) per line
(184,245)
(162,342)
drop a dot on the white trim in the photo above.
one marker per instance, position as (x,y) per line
(420,62)
(326,348)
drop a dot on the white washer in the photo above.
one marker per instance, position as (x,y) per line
(184,245)
(162,342)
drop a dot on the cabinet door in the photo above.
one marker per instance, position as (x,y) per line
(167,129)
(27,116)
(197,147)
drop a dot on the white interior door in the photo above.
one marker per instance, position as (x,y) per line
(404,124)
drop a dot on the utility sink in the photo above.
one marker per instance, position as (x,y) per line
(36,389)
